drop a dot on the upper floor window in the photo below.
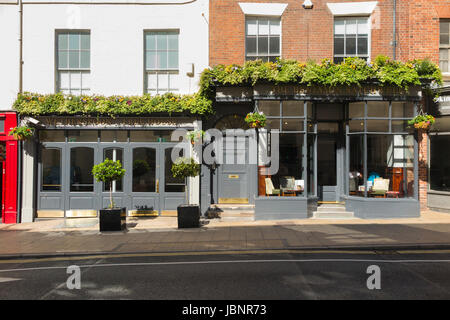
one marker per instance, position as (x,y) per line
(161,62)
(444,45)
(73,51)
(351,38)
(262,38)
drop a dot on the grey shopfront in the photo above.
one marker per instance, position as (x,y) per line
(351,146)
(67,153)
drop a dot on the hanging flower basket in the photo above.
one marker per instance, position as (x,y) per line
(422,121)
(256,119)
(195,136)
(22,133)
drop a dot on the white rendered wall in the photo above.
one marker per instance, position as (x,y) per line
(117,42)
(9,54)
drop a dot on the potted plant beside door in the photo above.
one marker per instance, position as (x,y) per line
(111,218)
(188,214)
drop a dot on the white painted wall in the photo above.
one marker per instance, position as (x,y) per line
(9,54)
(117,43)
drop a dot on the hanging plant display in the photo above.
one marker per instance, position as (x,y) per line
(256,119)
(22,133)
(422,121)
(195,136)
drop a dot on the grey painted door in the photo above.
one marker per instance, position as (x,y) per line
(327,165)
(235,174)
(171,190)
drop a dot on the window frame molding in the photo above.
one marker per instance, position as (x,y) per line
(369,36)
(245,34)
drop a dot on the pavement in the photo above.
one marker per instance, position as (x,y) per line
(68,237)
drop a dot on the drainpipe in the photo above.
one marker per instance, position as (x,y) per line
(20,46)
(394,42)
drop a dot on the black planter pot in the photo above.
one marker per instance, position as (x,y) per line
(113,219)
(188,216)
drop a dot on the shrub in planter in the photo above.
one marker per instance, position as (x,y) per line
(188,215)
(256,119)
(111,218)
(22,133)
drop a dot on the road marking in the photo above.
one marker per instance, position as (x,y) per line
(8,279)
(211,253)
(140,264)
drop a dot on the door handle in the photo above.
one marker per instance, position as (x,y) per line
(157,185)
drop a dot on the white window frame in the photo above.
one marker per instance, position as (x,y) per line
(369,37)
(257,19)
(444,47)
(166,71)
(69,70)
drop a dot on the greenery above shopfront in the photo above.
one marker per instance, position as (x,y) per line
(60,104)
(351,72)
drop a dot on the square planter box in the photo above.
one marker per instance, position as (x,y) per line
(188,216)
(113,219)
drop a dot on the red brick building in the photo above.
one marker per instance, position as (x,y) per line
(242,30)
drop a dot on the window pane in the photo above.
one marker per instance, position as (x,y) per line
(263,45)
(150,57)
(263,27)
(350,46)
(173,60)
(163,81)
(63,59)
(63,41)
(161,59)
(174,81)
(444,39)
(377,125)
(113,136)
(251,27)
(85,61)
(273,124)
(439,164)
(85,41)
(275,26)
(274,45)
(114,154)
(75,80)
(362,46)
(250,45)
(51,136)
(378,109)
(339,45)
(328,127)
(269,108)
(172,41)
(74,41)
(85,80)
(400,126)
(292,124)
(152,81)
(356,174)
(444,27)
(161,41)
(350,27)
(289,179)
(356,110)
(82,136)
(74,59)
(81,163)
(402,110)
(356,125)
(150,41)
(363,26)
(171,184)
(293,108)
(143,136)
(51,169)
(339,27)
(144,170)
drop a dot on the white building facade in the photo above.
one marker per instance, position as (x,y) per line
(105,48)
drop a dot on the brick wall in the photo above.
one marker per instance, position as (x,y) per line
(308,34)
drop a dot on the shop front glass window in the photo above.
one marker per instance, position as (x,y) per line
(51,169)
(81,163)
(144,170)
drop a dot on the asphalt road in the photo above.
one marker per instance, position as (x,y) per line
(287,275)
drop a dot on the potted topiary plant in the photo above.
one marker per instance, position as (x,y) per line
(188,214)
(111,218)
(21,133)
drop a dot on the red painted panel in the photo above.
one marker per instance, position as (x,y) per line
(9,170)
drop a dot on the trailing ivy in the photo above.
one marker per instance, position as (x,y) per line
(60,104)
(352,71)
